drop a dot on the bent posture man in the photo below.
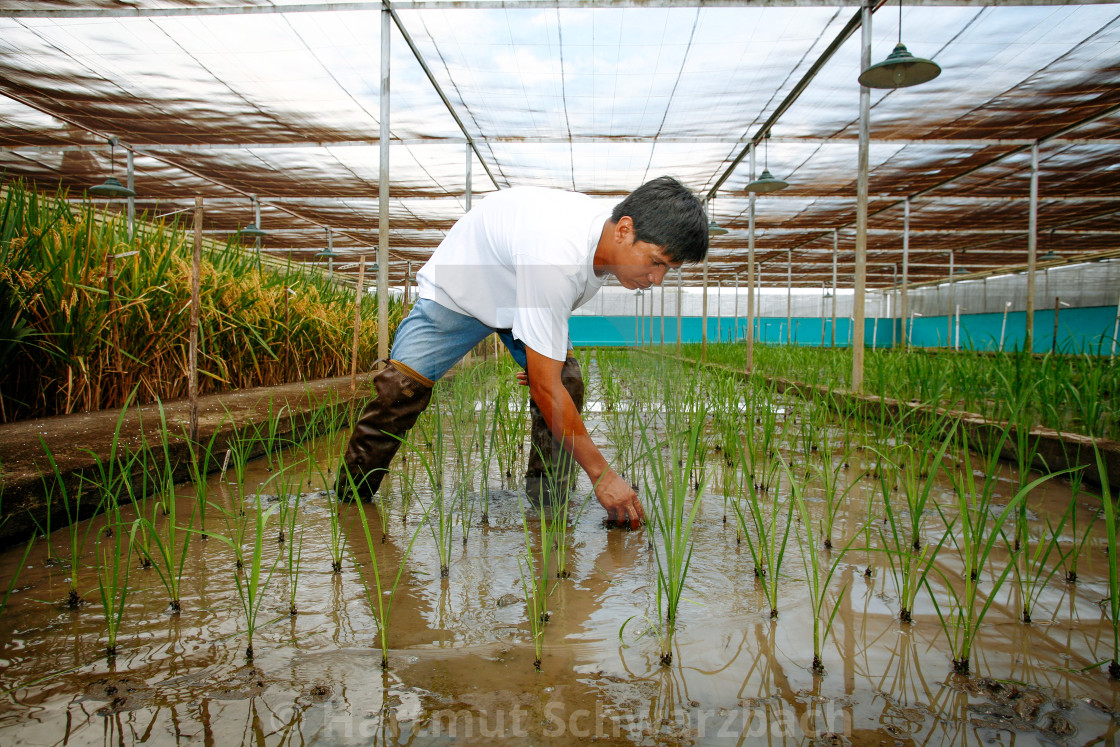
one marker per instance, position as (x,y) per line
(518,264)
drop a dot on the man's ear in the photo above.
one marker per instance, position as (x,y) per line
(624,228)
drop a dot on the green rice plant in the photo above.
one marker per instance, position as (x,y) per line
(533,569)
(831,477)
(199,466)
(15,574)
(766,531)
(908,560)
(1109,505)
(1080,536)
(168,549)
(334,503)
(973,532)
(27,550)
(672,515)
(381,596)
(1033,571)
(818,573)
(114,563)
(440,511)
(253,582)
(78,534)
(486,441)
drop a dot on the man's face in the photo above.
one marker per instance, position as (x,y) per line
(639,264)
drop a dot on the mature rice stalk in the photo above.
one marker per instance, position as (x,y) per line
(89,313)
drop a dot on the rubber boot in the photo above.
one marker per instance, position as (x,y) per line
(551,469)
(402,394)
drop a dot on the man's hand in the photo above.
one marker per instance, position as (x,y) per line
(620,500)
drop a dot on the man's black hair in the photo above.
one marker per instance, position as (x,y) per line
(667,214)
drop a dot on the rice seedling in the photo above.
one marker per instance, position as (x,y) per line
(334,503)
(381,596)
(1108,503)
(1080,536)
(15,575)
(818,574)
(77,533)
(253,582)
(198,467)
(440,511)
(672,516)
(534,577)
(831,475)
(114,564)
(973,532)
(1031,562)
(168,549)
(766,532)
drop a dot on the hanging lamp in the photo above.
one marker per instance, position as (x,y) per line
(766,182)
(714,229)
(901,69)
(253,230)
(111,188)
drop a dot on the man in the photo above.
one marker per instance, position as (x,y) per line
(519,264)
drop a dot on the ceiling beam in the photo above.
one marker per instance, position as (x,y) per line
(151,12)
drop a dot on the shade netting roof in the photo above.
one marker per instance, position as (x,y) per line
(227,99)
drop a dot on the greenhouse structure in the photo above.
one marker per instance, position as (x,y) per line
(850,475)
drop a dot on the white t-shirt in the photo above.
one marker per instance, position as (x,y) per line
(521,259)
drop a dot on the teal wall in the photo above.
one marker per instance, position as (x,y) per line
(1088,329)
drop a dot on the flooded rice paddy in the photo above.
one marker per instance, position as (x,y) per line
(460,649)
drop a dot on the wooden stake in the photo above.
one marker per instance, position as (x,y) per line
(357,330)
(196,302)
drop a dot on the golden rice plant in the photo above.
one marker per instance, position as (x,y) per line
(68,343)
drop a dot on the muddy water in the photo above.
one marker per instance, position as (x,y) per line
(460,660)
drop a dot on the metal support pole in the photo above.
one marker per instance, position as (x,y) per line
(662,313)
(357,333)
(789,297)
(1115,330)
(822,312)
(894,326)
(719,310)
(1003,327)
(905,307)
(704,315)
(957,323)
(861,204)
(637,334)
(679,290)
(735,334)
(752,279)
(469,181)
(835,293)
(383,196)
(1032,250)
(130,182)
(952,296)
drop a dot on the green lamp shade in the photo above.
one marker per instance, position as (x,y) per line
(252,231)
(111,188)
(715,229)
(328,253)
(766,182)
(900,70)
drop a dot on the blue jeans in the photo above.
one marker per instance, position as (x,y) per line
(432,339)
